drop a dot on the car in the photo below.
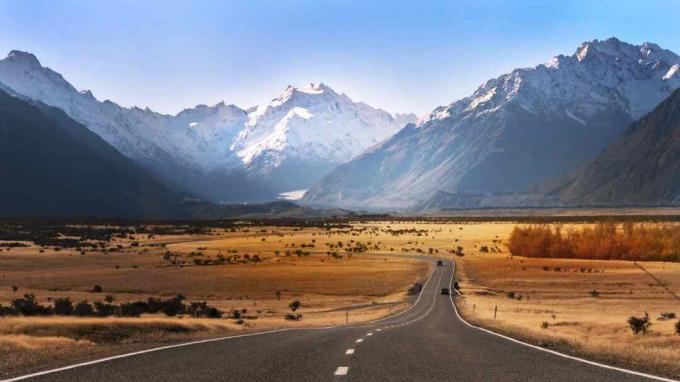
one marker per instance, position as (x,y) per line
(440,263)
(445,291)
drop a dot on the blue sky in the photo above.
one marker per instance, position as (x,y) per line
(402,56)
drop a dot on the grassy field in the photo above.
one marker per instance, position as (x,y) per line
(331,288)
(363,268)
(577,306)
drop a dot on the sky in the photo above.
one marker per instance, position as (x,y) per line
(402,56)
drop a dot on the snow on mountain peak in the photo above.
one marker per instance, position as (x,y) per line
(313,123)
(600,74)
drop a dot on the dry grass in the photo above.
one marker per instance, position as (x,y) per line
(368,284)
(581,308)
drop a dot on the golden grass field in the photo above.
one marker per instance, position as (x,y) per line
(557,307)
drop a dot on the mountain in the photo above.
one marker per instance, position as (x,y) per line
(642,168)
(305,132)
(181,150)
(221,152)
(51,165)
(514,131)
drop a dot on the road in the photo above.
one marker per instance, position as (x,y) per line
(426,343)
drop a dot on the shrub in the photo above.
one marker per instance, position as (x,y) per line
(293,317)
(83,308)
(594,293)
(27,306)
(667,316)
(294,305)
(63,306)
(8,311)
(639,324)
(97,289)
(677,328)
(104,309)
(202,309)
(171,307)
(131,309)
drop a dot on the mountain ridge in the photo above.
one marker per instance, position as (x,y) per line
(196,149)
(512,132)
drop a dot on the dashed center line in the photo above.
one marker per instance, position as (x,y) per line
(369,334)
(349,351)
(341,370)
(360,340)
(378,330)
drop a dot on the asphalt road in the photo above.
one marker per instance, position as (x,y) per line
(426,343)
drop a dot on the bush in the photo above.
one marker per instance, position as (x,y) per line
(83,308)
(639,324)
(171,307)
(677,328)
(131,309)
(63,306)
(667,316)
(27,306)
(202,309)
(104,309)
(8,311)
(293,317)
(97,289)
(294,305)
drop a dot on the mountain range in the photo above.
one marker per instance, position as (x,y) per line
(513,132)
(598,127)
(221,152)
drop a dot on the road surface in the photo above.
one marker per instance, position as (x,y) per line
(426,343)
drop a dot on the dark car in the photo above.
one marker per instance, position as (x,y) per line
(445,291)
(440,263)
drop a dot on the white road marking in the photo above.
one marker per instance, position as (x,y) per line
(349,351)
(593,363)
(359,340)
(369,334)
(377,330)
(341,370)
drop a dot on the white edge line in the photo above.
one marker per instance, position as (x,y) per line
(101,360)
(593,363)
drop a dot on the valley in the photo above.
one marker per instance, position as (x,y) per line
(339,270)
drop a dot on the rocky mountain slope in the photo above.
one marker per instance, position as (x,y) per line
(642,168)
(514,131)
(51,165)
(221,152)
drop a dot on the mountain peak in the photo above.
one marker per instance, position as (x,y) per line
(23,57)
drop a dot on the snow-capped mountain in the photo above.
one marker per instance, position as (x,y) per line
(515,130)
(220,152)
(305,132)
